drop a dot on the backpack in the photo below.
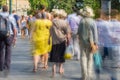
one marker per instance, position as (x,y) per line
(4,27)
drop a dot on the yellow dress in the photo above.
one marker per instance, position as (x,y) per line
(42,42)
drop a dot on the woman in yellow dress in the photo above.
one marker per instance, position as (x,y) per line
(41,40)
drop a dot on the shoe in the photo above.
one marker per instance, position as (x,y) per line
(1,70)
(34,70)
(6,72)
(45,67)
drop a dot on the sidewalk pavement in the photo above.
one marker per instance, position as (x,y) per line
(22,65)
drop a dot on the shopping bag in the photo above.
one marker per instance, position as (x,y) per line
(68,52)
(97,60)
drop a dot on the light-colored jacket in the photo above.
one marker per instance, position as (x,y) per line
(59,30)
(87,31)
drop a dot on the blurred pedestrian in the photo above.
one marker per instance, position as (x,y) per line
(17,19)
(23,24)
(114,49)
(41,40)
(104,38)
(74,20)
(17,22)
(88,40)
(6,42)
(60,32)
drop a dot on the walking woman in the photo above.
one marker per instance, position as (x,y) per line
(60,32)
(23,23)
(41,40)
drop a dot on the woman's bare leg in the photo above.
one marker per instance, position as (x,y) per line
(45,61)
(53,70)
(61,70)
(35,62)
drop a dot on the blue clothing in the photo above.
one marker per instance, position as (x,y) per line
(114,49)
(23,24)
(115,32)
(73,20)
(16,19)
(11,19)
(104,33)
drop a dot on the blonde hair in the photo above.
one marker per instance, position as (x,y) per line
(55,12)
(62,13)
(87,12)
(59,13)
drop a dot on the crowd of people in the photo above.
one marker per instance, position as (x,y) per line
(52,32)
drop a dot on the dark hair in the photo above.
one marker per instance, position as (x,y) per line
(74,9)
(4,8)
(43,15)
(43,7)
(38,16)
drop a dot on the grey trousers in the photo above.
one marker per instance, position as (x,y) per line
(86,64)
(76,46)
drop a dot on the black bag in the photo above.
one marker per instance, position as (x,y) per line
(4,27)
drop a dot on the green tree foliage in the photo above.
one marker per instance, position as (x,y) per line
(95,4)
(51,4)
(2,2)
(36,5)
(62,4)
(115,4)
(67,4)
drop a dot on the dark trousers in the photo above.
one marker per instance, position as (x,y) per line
(5,52)
(106,54)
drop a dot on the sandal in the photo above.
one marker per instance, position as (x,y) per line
(34,70)
(45,67)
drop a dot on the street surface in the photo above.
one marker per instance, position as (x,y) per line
(22,65)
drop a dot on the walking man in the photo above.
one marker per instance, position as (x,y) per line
(6,41)
(73,20)
(88,39)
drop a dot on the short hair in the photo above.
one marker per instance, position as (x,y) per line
(4,8)
(13,11)
(55,12)
(87,12)
(114,12)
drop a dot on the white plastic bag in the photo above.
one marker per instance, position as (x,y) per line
(69,52)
